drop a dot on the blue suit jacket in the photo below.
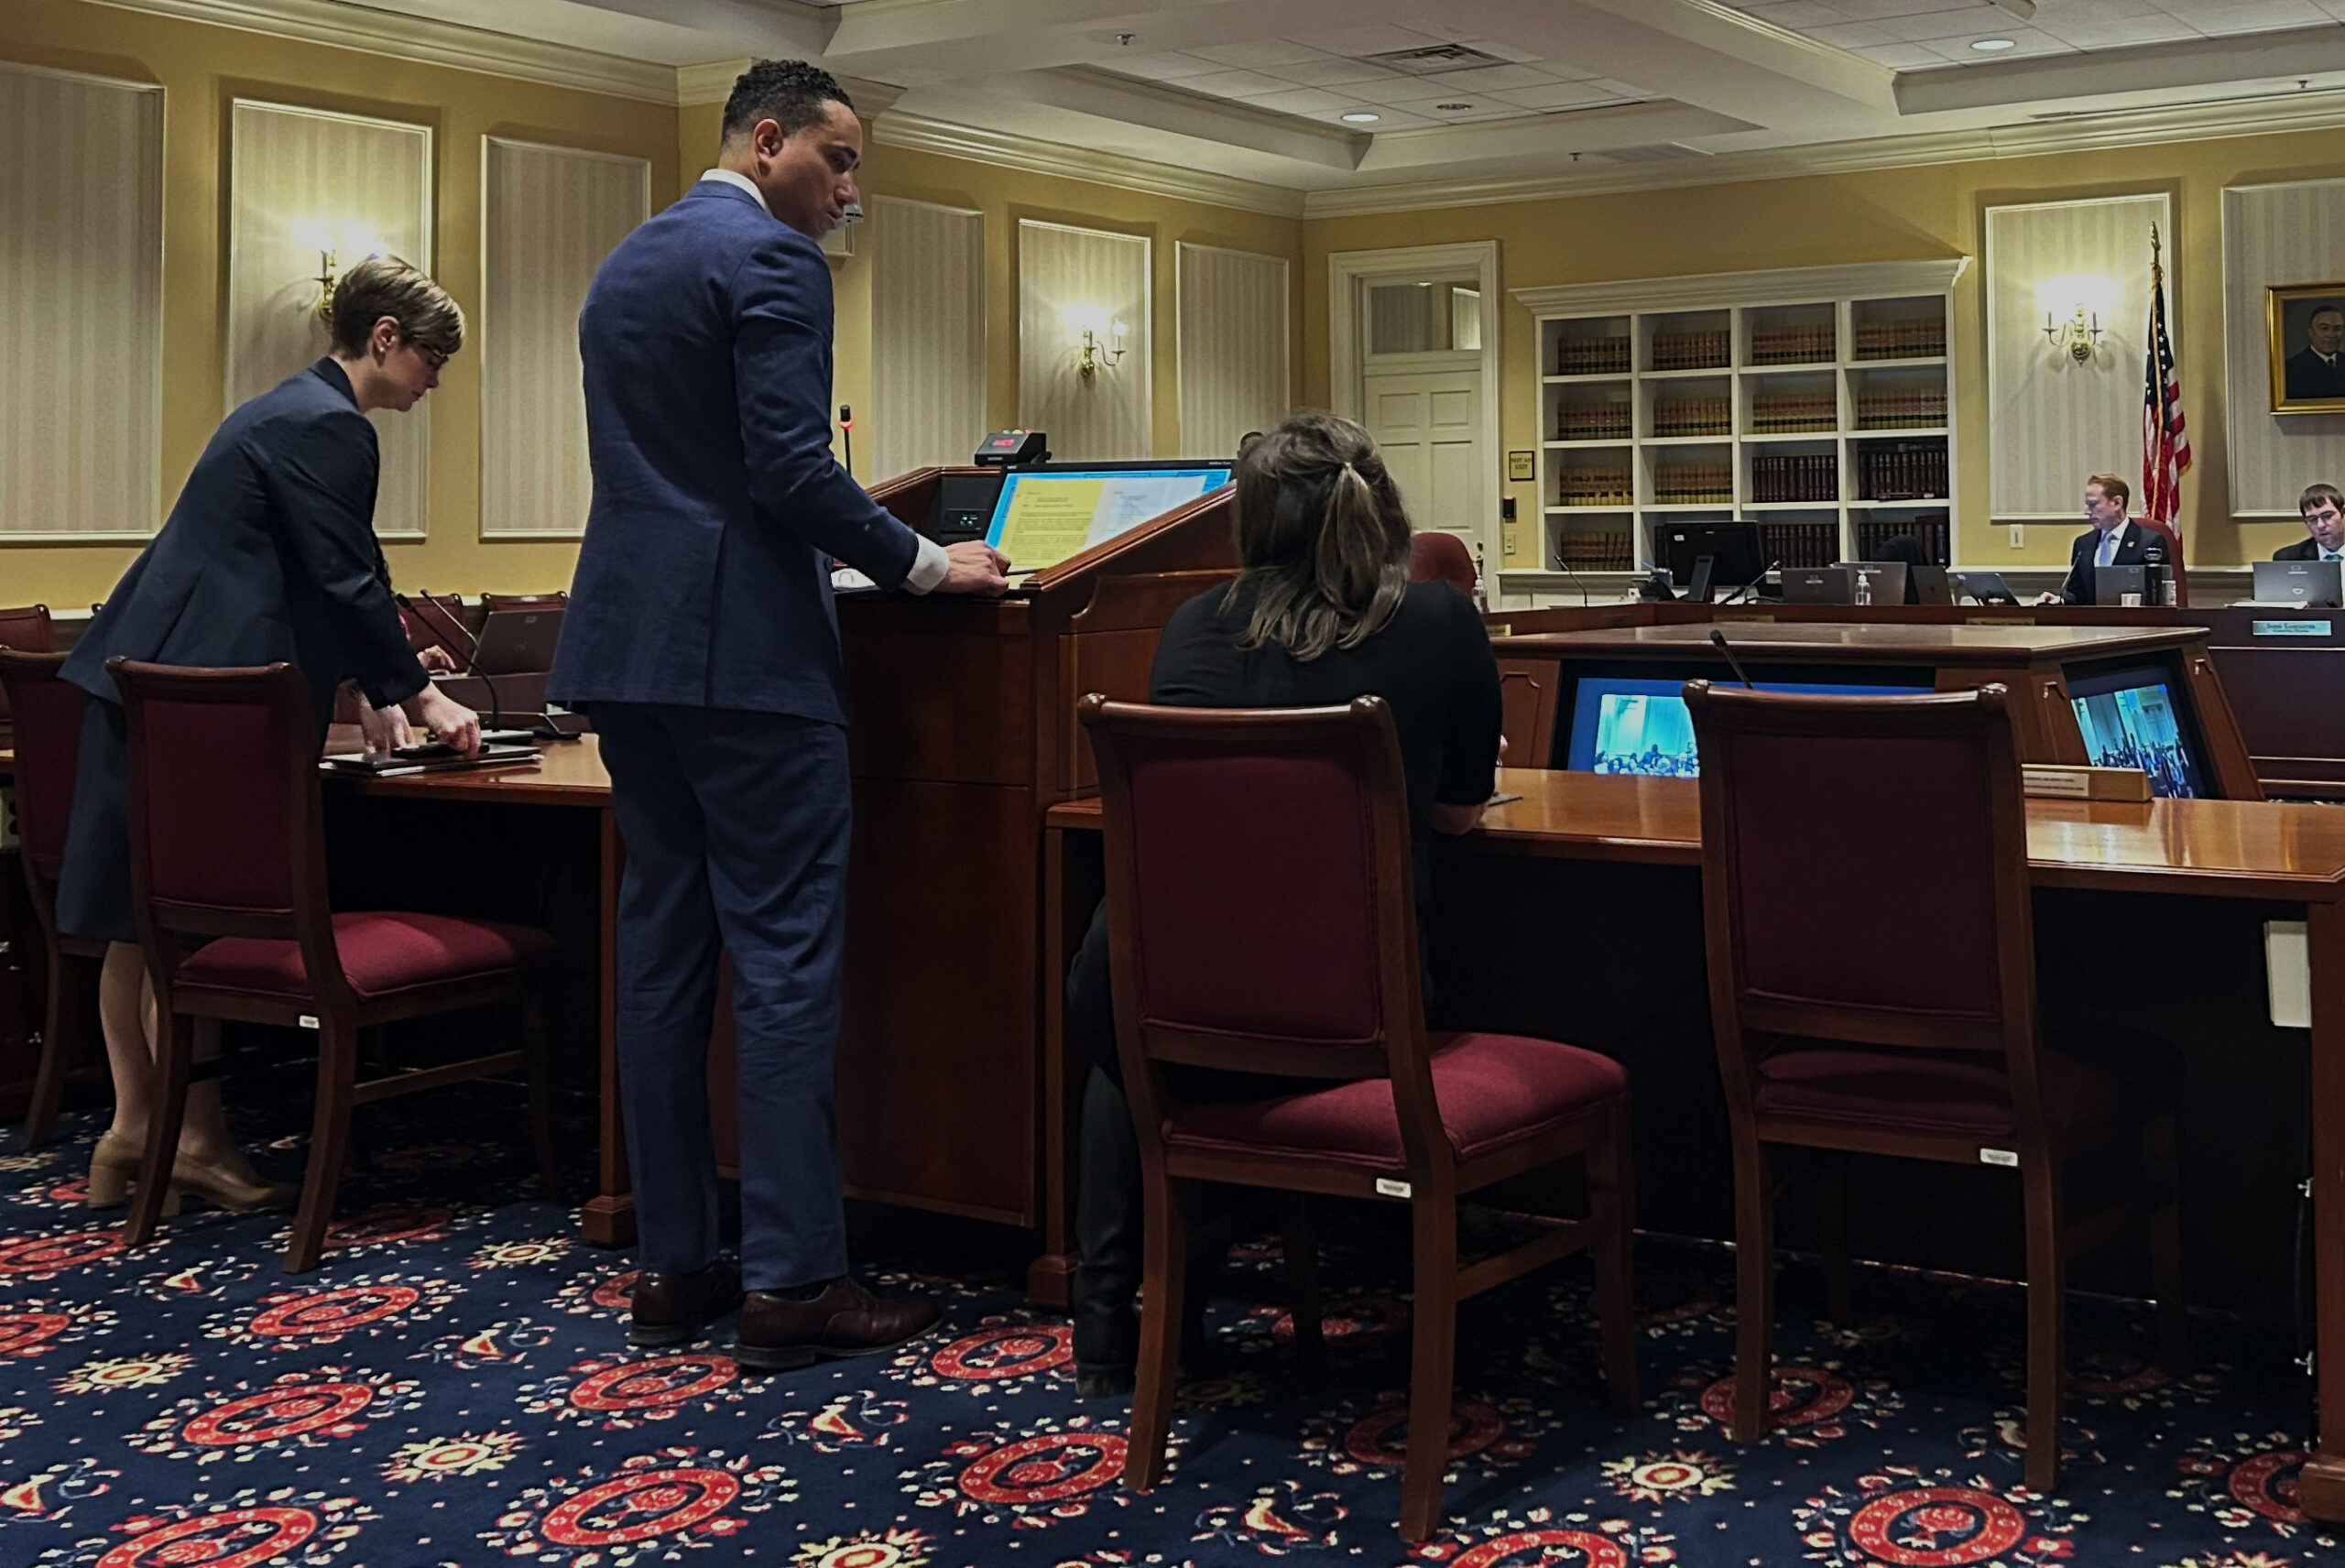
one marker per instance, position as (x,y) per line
(269,554)
(706,339)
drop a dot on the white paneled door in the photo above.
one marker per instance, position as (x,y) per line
(1429,424)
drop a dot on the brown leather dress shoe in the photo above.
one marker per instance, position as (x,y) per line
(672,1308)
(778,1334)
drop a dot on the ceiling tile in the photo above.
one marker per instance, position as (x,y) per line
(1357,41)
(1235,84)
(1559,95)
(1481,109)
(1798,13)
(1258,53)
(1161,66)
(1964,22)
(1485,79)
(1329,71)
(1903,57)
(1850,35)
(2024,41)
(1504,51)
(1303,101)
(2115,32)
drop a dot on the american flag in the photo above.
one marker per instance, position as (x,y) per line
(2165,448)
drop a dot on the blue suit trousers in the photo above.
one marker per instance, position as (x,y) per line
(736,825)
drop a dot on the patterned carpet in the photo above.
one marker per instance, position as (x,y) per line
(453,1387)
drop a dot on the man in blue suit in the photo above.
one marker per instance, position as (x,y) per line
(701,638)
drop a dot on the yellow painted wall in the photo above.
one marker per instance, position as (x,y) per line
(1006,196)
(1887,216)
(202,68)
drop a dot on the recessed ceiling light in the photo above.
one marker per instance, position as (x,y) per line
(1361,117)
(1453,106)
(1991,46)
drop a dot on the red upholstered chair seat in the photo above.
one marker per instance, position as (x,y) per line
(1493,1090)
(384,953)
(2085,1078)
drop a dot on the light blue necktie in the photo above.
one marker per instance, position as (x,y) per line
(2108,549)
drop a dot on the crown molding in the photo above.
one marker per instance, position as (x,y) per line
(425,42)
(920,134)
(2087,131)
(1858,281)
(711,81)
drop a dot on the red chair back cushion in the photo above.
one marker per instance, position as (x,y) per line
(1435,557)
(47,717)
(28,630)
(220,816)
(1862,872)
(1256,896)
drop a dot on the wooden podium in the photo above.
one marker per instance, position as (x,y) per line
(962,735)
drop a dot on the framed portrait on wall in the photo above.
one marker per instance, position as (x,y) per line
(2305,341)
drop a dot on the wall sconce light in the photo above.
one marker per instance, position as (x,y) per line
(1098,351)
(2078,334)
(329,247)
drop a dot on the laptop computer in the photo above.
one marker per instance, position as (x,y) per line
(1817,586)
(1929,583)
(518,642)
(1987,587)
(2304,582)
(2113,584)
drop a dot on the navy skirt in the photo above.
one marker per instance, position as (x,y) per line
(94,889)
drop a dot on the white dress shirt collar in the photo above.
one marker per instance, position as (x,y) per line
(739,181)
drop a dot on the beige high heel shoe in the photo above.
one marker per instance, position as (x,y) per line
(224,1188)
(114,1166)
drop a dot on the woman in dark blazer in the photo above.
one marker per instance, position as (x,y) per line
(1322,612)
(269,554)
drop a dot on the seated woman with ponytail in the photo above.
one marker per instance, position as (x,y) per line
(1322,612)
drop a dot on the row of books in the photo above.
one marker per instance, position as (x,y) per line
(1692,416)
(1691,351)
(1592,421)
(1902,408)
(1592,356)
(1800,544)
(1779,411)
(1592,552)
(1920,338)
(1928,528)
(1692,483)
(1593,487)
(1901,470)
(1807,476)
(1790,345)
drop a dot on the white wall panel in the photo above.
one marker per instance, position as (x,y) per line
(2275,236)
(2051,420)
(548,216)
(80,305)
(1067,277)
(928,334)
(292,172)
(1232,332)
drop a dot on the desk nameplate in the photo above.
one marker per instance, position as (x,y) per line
(2289,628)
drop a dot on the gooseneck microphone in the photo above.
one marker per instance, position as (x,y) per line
(1717,640)
(1752,586)
(471,648)
(846,429)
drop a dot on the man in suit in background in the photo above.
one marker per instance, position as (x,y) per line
(2324,512)
(701,638)
(2317,369)
(2110,541)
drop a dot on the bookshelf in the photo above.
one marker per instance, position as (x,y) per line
(1816,401)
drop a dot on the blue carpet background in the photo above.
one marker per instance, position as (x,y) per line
(453,1387)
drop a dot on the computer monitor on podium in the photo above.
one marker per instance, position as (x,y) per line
(1733,549)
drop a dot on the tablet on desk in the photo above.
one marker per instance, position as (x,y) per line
(431,757)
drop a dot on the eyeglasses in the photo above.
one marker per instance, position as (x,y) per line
(433,360)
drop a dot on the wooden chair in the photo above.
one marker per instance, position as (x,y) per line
(227,841)
(27,629)
(1263,920)
(1873,988)
(1437,557)
(557,600)
(48,714)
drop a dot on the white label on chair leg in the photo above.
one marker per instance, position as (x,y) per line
(1998,1157)
(1388,1188)
(308,1021)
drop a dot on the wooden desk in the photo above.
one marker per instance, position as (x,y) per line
(2256,853)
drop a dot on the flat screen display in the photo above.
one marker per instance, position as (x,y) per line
(1045,514)
(1638,724)
(2131,719)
